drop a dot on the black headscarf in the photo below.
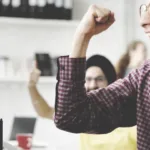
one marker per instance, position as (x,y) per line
(104,64)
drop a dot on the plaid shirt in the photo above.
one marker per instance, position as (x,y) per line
(122,104)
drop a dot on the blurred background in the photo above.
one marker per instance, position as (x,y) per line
(43,30)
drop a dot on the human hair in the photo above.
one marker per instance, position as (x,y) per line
(125,58)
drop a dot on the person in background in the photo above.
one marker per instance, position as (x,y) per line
(99,73)
(124,103)
(134,56)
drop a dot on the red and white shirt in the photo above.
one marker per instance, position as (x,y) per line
(124,103)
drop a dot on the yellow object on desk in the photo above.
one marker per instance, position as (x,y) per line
(119,139)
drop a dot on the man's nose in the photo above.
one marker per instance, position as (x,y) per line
(93,85)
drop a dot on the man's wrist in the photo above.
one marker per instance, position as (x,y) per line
(31,84)
(83,35)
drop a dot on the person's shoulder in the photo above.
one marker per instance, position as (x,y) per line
(143,71)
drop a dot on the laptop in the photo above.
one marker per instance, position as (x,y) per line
(24,125)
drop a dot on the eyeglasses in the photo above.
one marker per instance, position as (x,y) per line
(98,79)
(144,8)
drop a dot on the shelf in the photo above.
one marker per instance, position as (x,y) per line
(43,80)
(37,22)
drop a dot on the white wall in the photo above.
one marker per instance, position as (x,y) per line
(22,41)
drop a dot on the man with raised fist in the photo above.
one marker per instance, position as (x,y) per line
(124,103)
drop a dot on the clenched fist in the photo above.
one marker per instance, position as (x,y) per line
(96,20)
(34,76)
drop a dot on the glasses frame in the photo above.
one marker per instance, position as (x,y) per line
(97,79)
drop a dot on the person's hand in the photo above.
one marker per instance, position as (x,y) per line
(96,20)
(34,76)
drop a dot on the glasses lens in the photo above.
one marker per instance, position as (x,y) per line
(143,8)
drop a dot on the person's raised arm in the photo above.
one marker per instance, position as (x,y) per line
(96,20)
(39,104)
(99,111)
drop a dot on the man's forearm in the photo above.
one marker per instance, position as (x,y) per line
(40,105)
(80,44)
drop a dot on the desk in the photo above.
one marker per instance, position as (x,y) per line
(51,148)
(9,146)
(42,149)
